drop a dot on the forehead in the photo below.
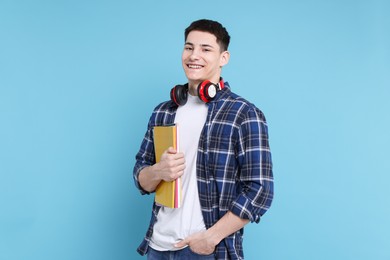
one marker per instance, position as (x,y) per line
(201,38)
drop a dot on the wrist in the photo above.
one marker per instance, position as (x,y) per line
(214,236)
(154,172)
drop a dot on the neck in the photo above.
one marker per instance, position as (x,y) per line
(193,85)
(193,90)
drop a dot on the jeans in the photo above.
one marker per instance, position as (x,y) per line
(182,254)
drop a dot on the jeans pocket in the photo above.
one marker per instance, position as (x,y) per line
(209,256)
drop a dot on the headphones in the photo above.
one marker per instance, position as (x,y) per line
(206,92)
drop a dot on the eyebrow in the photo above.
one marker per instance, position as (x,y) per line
(201,45)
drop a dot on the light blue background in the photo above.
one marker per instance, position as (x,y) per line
(79,79)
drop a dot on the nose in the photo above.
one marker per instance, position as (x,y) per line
(195,54)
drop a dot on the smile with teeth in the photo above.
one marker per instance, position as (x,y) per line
(193,66)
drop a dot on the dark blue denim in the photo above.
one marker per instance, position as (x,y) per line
(182,254)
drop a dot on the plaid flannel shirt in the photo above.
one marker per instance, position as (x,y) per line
(234,166)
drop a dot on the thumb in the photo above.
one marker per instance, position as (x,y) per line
(171,150)
(181,244)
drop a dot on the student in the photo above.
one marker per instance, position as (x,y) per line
(224,159)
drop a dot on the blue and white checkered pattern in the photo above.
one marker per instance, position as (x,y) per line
(234,165)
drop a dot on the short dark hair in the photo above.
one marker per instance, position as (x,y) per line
(213,27)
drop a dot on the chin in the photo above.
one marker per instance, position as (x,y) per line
(195,81)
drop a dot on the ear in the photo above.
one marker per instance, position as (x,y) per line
(224,59)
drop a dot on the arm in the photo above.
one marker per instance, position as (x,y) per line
(170,167)
(163,114)
(204,242)
(256,175)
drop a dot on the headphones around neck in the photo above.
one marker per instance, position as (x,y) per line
(206,92)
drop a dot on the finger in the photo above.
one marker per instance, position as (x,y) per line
(171,150)
(181,244)
(174,160)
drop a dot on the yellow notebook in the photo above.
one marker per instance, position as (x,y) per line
(168,194)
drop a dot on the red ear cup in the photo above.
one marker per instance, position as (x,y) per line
(207,91)
(221,84)
(179,94)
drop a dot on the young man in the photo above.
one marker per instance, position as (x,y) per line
(224,159)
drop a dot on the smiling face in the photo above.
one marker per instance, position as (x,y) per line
(202,59)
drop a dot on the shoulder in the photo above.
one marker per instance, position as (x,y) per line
(163,113)
(240,105)
(165,106)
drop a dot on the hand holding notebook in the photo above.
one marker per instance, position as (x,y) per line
(167,193)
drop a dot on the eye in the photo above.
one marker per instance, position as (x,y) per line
(187,48)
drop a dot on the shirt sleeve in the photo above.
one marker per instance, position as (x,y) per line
(256,176)
(145,157)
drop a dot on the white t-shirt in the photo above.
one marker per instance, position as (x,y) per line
(174,225)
